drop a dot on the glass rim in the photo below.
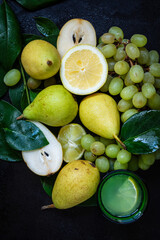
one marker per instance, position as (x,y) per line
(138,212)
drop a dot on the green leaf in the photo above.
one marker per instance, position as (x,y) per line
(141,132)
(30,37)
(24,101)
(10,37)
(33,94)
(8,114)
(36,4)
(46,27)
(15,94)
(7,153)
(3,87)
(24,135)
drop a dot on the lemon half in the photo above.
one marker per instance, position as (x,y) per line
(84,69)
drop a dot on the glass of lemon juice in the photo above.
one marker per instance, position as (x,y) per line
(122,196)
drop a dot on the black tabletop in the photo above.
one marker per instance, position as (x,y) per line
(21,192)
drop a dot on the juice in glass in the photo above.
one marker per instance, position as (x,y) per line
(122,196)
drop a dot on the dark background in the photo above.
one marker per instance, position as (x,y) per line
(21,193)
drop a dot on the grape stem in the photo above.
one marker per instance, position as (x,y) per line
(47,207)
(118,140)
(25,84)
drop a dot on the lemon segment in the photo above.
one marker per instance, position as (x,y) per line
(83,69)
(70,138)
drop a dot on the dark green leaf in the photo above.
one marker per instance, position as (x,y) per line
(8,114)
(47,183)
(91,202)
(24,135)
(10,37)
(30,37)
(24,101)
(46,27)
(144,143)
(36,4)
(15,94)
(3,87)
(33,94)
(139,123)
(7,153)
(141,132)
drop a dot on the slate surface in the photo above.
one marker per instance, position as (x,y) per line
(21,193)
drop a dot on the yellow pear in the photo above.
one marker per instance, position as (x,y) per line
(76,182)
(40,59)
(98,112)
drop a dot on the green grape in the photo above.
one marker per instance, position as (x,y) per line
(132,51)
(139,40)
(148,159)
(115,86)
(121,67)
(89,156)
(127,80)
(100,40)
(109,50)
(153,57)
(102,163)
(148,90)
(33,83)
(118,165)
(105,87)
(86,141)
(100,46)
(111,164)
(128,92)
(136,73)
(139,100)
(112,150)
(97,148)
(124,156)
(144,56)
(12,77)
(142,165)
(111,62)
(120,54)
(127,114)
(125,41)
(148,78)
(133,163)
(157,154)
(107,38)
(157,83)
(154,102)
(154,69)
(124,105)
(117,32)
(106,141)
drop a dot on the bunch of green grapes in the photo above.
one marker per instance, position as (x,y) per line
(108,155)
(134,72)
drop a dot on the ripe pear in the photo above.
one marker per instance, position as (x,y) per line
(98,112)
(76,182)
(54,106)
(40,59)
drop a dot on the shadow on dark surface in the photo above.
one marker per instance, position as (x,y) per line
(21,193)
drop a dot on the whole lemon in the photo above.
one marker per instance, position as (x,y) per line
(40,59)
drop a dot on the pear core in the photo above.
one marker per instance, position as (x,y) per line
(76,182)
(98,112)
(54,106)
(40,59)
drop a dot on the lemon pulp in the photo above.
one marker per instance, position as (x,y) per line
(70,138)
(121,195)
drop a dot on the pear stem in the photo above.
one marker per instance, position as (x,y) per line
(47,207)
(118,140)
(20,117)
(25,84)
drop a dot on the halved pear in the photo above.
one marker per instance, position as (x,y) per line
(48,159)
(75,31)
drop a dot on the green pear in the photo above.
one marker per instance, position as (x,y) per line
(53,106)
(98,112)
(76,182)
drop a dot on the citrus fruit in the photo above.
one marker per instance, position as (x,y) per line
(83,69)
(70,138)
